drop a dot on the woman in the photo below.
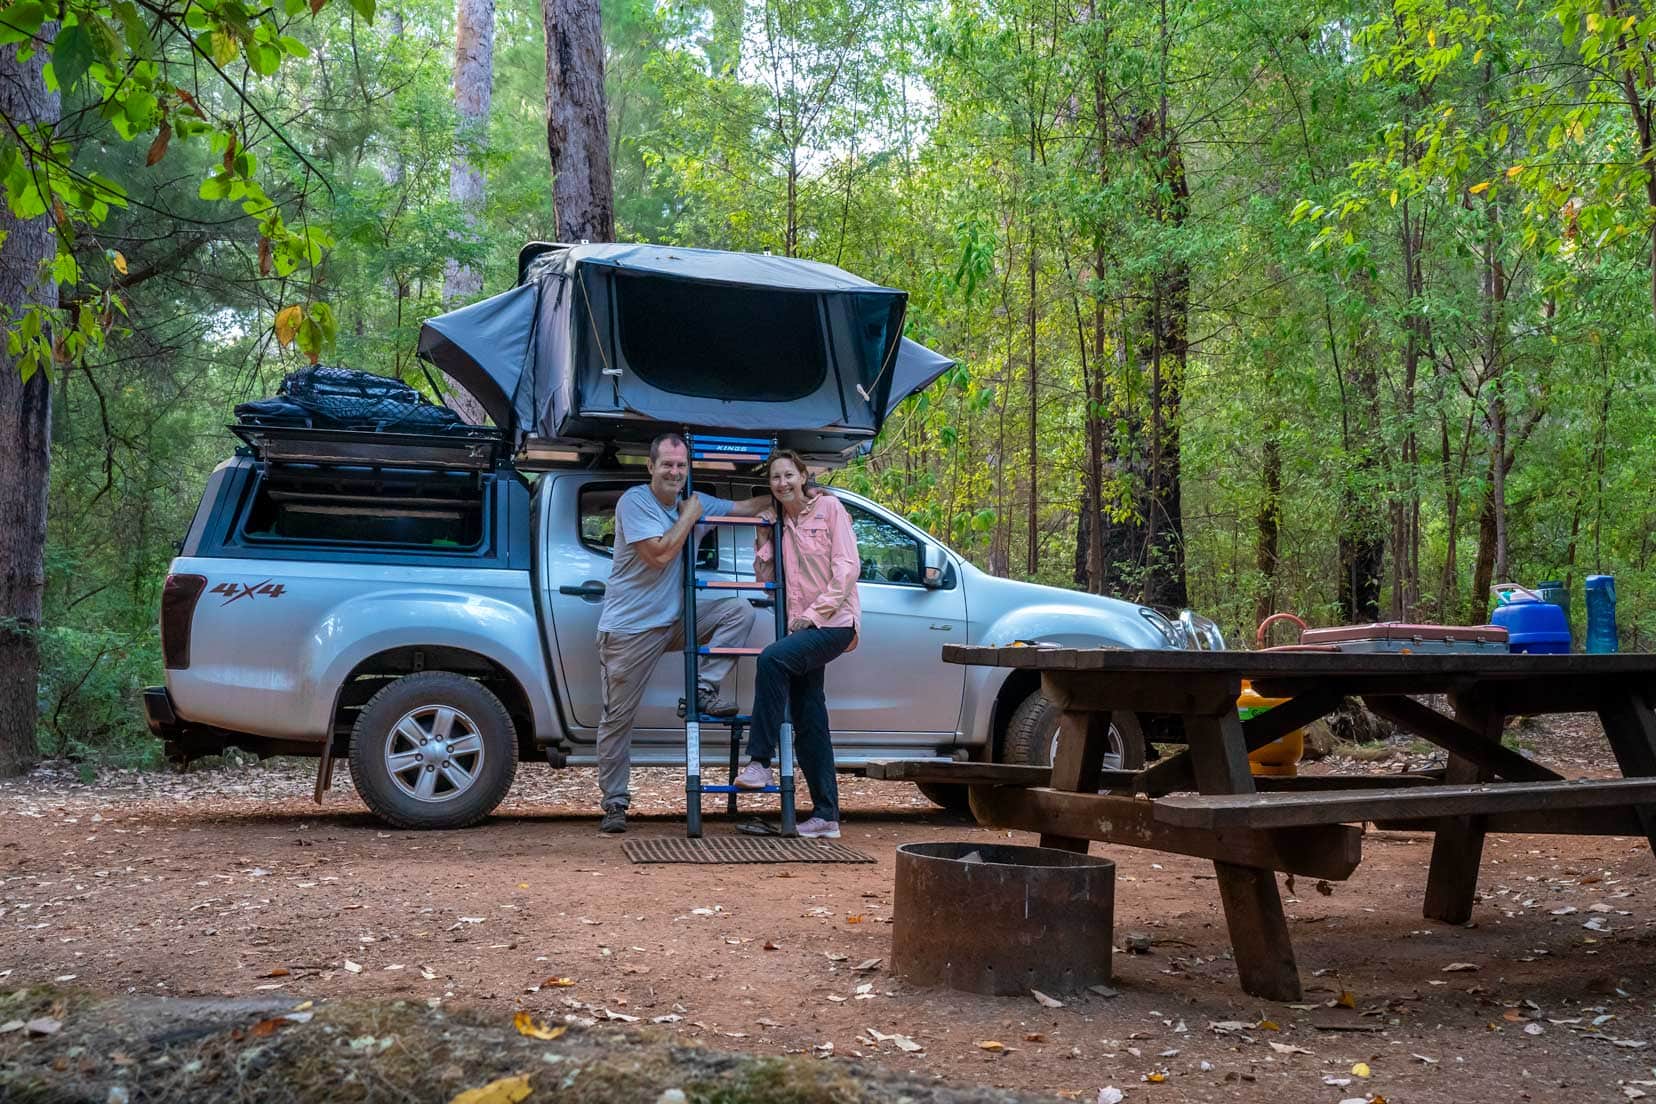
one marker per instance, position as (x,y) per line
(821,564)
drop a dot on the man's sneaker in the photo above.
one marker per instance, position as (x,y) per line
(615,820)
(817,828)
(754,776)
(710,703)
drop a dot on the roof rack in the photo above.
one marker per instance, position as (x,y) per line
(473,448)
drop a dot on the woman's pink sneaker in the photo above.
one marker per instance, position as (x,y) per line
(754,776)
(817,828)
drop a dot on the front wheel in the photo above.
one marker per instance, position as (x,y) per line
(1032,737)
(433,750)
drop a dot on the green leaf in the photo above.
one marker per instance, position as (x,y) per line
(364,8)
(21,22)
(73,53)
(224,46)
(216,186)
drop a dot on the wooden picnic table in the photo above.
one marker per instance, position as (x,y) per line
(1312,825)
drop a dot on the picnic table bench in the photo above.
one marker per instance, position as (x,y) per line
(1203,801)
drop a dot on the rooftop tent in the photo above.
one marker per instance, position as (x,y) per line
(616,343)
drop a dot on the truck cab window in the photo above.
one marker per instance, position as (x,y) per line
(889,554)
(597,524)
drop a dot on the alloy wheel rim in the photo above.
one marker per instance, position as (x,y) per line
(1112,758)
(434,753)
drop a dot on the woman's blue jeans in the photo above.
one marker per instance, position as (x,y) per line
(791,670)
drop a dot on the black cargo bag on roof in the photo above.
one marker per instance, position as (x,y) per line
(342,398)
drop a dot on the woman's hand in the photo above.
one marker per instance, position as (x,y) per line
(796,624)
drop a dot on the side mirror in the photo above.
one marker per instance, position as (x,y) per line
(934,567)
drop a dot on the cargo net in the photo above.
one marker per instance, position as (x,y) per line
(340,396)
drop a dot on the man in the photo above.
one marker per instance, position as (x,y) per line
(643,611)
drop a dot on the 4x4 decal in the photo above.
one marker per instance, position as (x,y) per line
(234,592)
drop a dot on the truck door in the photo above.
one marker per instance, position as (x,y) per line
(578,533)
(894,688)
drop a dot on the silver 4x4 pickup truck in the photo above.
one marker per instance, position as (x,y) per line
(432,611)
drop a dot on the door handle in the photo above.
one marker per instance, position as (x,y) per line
(585,590)
(940,628)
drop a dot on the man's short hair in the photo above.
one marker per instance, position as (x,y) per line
(666,439)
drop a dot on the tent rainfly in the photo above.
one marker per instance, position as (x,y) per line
(617,343)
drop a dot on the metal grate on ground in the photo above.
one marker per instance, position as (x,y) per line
(740,849)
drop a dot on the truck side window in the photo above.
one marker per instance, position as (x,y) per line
(597,524)
(889,555)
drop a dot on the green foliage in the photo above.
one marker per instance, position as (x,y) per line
(1414,232)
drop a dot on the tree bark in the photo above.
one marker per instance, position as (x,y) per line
(577,129)
(1362,524)
(25,435)
(473,81)
(1030,557)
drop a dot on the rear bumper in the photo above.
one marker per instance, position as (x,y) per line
(187,740)
(159,713)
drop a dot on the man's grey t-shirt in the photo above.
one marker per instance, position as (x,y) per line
(640,597)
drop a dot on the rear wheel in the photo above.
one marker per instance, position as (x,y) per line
(950,795)
(433,750)
(1032,737)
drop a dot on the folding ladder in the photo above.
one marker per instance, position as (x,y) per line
(736,450)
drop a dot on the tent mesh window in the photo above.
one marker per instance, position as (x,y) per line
(745,344)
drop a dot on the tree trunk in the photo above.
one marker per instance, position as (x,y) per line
(1362,521)
(25,436)
(1269,524)
(473,80)
(577,130)
(1030,557)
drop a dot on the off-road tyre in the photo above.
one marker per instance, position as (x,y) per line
(415,701)
(952,796)
(1031,732)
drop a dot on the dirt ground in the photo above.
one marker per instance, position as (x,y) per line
(232,883)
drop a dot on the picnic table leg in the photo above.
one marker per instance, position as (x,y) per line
(1631,729)
(1083,738)
(1259,937)
(1457,849)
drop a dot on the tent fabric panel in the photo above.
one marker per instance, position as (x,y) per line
(915,369)
(704,265)
(484,348)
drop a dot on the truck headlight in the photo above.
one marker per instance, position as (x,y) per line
(1172,631)
(1200,633)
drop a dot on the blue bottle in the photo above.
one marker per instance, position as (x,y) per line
(1601,614)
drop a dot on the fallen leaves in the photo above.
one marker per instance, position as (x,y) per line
(901,1042)
(1044,1000)
(528,1026)
(43,1025)
(352,967)
(1288,1048)
(1461,968)
(507,1090)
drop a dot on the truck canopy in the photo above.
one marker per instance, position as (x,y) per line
(617,343)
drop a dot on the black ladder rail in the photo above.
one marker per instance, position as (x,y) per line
(741,450)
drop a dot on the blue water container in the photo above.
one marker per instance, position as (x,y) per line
(1601,614)
(1533,626)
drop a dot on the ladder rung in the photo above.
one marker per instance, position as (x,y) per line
(731,519)
(739,789)
(708,718)
(731,457)
(725,584)
(707,649)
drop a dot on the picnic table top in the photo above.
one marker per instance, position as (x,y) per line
(1264,664)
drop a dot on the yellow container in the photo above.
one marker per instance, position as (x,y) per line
(1279,758)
